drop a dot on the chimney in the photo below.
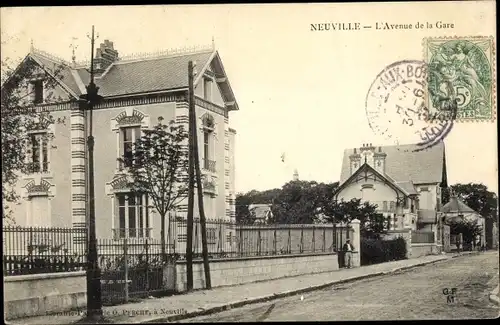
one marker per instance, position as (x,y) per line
(105,55)
(379,160)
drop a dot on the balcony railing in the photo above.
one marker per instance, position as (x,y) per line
(209,187)
(209,165)
(120,233)
(385,206)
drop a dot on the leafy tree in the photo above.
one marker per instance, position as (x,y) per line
(158,167)
(372,223)
(296,202)
(477,197)
(243,215)
(469,229)
(18,117)
(244,200)
(299,202)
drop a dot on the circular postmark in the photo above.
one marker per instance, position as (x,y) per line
(396,106)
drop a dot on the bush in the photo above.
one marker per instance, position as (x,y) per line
(375,251)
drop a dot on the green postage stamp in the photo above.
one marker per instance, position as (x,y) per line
(461,77)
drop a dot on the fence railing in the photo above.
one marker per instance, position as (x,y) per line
(130,268)
(30,250)
(120,233)
(230,240)
(422,237)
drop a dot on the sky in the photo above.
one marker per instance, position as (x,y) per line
(300,92)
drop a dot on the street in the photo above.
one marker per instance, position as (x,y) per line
(420,293)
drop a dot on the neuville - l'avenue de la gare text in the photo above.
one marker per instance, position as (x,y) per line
(378,25)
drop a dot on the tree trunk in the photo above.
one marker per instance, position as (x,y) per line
(163,250)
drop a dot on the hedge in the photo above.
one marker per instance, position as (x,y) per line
(375,251)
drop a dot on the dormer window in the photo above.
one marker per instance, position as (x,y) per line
(36,91)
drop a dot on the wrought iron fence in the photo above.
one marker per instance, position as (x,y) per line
(30,250)
(130,268)
(230,240)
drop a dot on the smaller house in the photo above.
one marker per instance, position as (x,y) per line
(261,212)
(404,182)
(455,209)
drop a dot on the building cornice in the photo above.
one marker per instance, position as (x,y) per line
(146,99)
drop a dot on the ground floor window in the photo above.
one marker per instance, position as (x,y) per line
(133,215)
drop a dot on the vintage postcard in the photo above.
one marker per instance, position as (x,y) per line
(249,162)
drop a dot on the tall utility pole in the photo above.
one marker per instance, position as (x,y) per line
(203,223)
(189,228)
(87,102)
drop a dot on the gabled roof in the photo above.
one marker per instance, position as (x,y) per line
(407,162)
(408,187)
(61,70)
(138,76)
(455,205)
(367,167)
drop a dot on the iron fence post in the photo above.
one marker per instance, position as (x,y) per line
(275,242)
(240,243)
(147,265)
(220,242)
(301,239)
(289,244)
(125,256)
(324,239)
(314,240)
(258,241)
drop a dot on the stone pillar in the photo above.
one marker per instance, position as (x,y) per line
(356,242)
(177,231)
(227,170)
(78,173)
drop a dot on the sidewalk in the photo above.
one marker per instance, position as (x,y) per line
(204,302)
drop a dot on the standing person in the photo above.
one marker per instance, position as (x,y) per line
(348,249)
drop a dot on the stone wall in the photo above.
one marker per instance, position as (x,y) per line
(42,294)
(419,250)
(226,272)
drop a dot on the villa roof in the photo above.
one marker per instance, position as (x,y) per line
(165,72)
(261,211)
(408,186)
(406,189)
(406,163)
(455,205)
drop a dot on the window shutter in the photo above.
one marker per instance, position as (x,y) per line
(137,134)
(120,147)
